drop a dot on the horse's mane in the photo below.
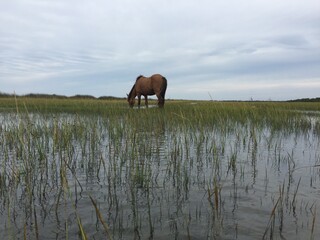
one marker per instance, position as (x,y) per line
(129,96)
(140,76)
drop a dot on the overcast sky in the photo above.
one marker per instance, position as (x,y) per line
(207,49)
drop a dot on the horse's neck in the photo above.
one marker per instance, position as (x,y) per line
(133,93)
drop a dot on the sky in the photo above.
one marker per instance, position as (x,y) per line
(207,49)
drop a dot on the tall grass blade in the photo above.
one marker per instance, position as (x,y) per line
(272,216)
(104,224)
(82,232)
(313,223)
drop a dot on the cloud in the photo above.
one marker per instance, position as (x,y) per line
(196,44)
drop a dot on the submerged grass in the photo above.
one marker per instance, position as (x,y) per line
(60,156)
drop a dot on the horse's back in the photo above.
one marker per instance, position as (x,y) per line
(151,85)
(144,86)
(159,83)
(158,80)
(157,76)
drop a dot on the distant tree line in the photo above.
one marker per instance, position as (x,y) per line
(79,96)
(40,95)
(306,100)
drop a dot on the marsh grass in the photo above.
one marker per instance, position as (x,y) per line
(147,172)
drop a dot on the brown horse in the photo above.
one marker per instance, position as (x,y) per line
(154,85)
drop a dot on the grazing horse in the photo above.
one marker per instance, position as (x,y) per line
(154,85)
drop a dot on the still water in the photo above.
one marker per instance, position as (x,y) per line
(241,182)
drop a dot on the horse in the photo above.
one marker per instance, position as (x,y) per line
(154,85)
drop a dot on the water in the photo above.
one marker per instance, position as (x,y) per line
(201,183)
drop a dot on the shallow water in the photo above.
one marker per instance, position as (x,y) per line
(204,183)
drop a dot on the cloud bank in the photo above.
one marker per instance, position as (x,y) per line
(220,49)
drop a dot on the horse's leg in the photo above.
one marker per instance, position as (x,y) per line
(160,100)
(146,100)
(139,100)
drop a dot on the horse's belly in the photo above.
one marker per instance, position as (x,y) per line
(145,91)
(151,93)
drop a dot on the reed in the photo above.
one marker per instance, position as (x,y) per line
(60,157)
(314,214)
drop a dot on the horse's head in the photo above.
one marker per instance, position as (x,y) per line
(130,101)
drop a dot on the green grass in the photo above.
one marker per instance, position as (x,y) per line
(58,155)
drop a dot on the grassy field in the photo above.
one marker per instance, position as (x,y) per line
(191,113)
(88,168)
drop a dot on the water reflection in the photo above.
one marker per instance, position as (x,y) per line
(244,183)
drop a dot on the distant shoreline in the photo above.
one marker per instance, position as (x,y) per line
(79,96)
(55,96)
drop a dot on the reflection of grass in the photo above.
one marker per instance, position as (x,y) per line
(51,148)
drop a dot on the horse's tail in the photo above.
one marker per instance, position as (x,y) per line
(162,92)
(163,87)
